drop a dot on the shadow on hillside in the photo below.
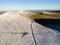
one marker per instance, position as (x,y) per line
(50,23)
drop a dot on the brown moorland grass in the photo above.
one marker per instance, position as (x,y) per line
(33,16)
(45,16)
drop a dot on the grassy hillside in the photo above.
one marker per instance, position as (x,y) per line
(33,16)
(44,16)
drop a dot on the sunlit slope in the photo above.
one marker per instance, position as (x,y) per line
(13,25)
(38,16)
(12,21)
(45,16)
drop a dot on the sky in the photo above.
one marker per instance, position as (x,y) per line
(29,4)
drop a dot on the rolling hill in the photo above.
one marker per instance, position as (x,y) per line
(13,26)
